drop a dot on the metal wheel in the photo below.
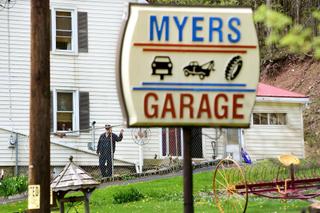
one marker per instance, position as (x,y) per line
(230,187)
(201,76)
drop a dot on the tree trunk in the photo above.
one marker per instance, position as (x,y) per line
(297,16)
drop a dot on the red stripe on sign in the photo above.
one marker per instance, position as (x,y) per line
(193,50)
(196,45)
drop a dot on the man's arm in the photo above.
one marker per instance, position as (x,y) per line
(119,138)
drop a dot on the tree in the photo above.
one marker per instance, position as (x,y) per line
(291,26)
(286,34)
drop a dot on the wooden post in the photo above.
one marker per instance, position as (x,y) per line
(86,202)
(39,141)
(61,204)
(187,171)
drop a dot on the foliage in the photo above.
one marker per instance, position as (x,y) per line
(127,177)
(127,195)
(271,18)
(197,2)
(13,185)
(165,196)
(284,34)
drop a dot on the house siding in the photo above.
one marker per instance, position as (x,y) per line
(209,136)
(92,72)
(266,141)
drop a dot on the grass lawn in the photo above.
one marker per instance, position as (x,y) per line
(166,195)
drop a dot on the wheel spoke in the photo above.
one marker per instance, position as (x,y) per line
(241,204)
(223,176)
(221,184)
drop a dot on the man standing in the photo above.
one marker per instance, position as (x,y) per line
(106,143)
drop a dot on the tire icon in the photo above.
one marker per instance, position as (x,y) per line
(233,68)
(186,72)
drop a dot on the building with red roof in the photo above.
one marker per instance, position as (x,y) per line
(276,125)
(265,91)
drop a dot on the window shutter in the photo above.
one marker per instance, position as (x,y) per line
(84,111)
(51,111)
(83,32)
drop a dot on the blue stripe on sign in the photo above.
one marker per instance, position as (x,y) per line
(191,84)
(193,89)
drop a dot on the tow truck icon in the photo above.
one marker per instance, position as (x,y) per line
(202,70)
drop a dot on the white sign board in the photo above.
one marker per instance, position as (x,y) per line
(34,197)
(188,66)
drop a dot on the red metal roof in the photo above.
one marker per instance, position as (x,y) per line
(265,90)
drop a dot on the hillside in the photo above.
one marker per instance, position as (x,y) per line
(302,75)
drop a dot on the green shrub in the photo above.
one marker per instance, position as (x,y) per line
(127,195)
(13,185)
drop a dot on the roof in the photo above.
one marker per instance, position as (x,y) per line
(73,178)
(265,90)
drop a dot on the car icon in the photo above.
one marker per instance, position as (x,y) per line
(162,66)
(202,70)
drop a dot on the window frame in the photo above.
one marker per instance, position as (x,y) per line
(74,25)
(260,119)
(75,106)
(277,118)
(269,119)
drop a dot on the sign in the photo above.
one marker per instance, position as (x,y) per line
(188,66)
(51,196)
(34,197)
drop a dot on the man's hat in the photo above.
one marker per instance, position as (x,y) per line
(107,126)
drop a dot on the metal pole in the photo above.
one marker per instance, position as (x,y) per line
(140,157)
(187,171)
(94,134)
(16,170)
(39,141)
(112,154)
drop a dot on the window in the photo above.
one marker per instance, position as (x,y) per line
(260,118)
(69,111)
(269,118)
(278,119)
(64,30)
(66,111)
(69,31)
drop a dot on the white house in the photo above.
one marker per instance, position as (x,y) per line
(84,37)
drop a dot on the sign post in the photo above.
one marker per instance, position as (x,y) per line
(187,171)
(188,67)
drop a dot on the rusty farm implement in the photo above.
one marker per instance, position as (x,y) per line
(285,178)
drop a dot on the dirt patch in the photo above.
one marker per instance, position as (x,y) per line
(302,75)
